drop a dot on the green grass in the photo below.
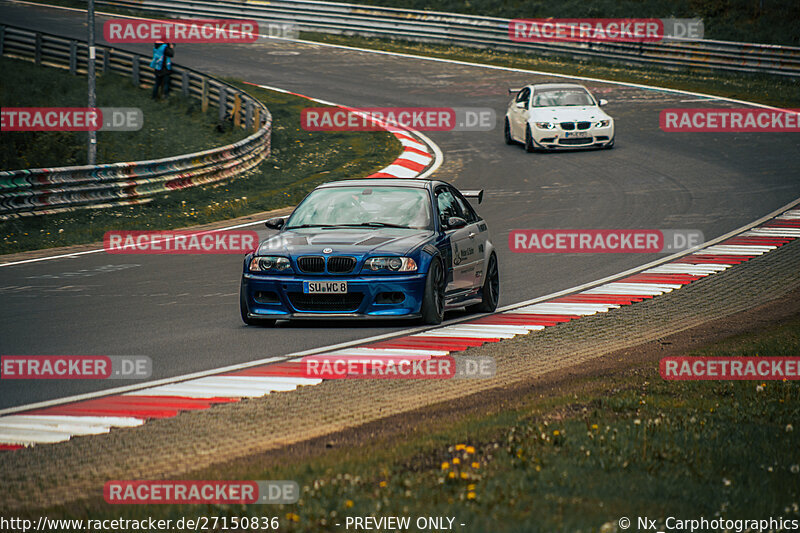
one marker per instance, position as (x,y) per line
(300,160)
(629,444)
(171,127)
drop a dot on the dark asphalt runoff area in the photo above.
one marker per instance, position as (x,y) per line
(182,311)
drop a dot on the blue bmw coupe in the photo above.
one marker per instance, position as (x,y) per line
(374,248)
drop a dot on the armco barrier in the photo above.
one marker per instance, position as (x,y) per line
(49,190)
(474,31)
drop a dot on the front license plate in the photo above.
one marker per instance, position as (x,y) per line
(325,287)
(576,134)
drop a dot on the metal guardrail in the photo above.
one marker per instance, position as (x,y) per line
(50,190)
(475,31)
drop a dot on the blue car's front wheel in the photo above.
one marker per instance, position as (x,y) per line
(432,309)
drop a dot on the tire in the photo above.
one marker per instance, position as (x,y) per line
(529,146)
(432,308)
(243,310)
(490,290)
(507,133)
(610,145)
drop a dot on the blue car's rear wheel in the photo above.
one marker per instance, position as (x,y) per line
(245,312)
(432,309)
(491,289)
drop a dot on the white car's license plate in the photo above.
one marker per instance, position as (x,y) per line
(576,134)
(325,287)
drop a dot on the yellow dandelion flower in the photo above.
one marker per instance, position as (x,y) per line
(476,464)
(471,486)
(594,426)
(451,475)
(445,465)
(460,447)
(456,461)
(470,495)
(382,483)
(470,449)
(463,475)
(556,433)
(348,503)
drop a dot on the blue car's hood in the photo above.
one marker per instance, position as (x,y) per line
(356,241)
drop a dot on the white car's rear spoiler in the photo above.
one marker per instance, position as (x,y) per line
(473,194)
(513,90)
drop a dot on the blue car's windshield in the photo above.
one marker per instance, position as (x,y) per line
(364,206)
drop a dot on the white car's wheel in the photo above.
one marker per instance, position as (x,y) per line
(529,146)
(507,133)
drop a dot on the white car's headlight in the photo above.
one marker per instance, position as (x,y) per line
(545,125)
(270,263)
(603,123)
(395,264)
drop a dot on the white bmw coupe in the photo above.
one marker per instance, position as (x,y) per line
(549,116)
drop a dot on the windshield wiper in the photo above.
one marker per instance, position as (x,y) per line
(376,225)
(313,226)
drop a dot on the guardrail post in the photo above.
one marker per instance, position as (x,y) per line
(2,38)
(248,115)
(38,53)
(204,95)
(106,58)
(185,82)
(237,110)
(223,103)
(73,57)
(135,71)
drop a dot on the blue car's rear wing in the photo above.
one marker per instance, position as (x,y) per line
(473,194)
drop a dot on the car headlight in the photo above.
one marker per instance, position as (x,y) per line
(603,123)
(395,264)
(267,263)
(545,125)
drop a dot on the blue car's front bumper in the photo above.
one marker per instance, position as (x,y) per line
(372,296)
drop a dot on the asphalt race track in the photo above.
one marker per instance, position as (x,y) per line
(182,311)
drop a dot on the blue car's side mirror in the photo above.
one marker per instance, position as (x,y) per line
(455,223)
(275,223)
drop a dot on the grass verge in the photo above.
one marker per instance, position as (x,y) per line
(171,127)
(300,160)
(629,444)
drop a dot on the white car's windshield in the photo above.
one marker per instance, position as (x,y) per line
(562,97)
(364,206)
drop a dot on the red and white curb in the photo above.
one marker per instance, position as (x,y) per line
(60,422)
(420,157)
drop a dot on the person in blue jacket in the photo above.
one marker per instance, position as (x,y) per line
(162,64)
